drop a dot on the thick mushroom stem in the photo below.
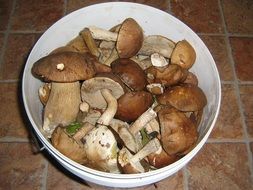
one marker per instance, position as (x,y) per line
(146,117)
(102,34)
(62,106)
(111,109)
(151,147)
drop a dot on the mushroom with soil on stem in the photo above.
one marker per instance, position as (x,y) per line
(63,70)
(128,39)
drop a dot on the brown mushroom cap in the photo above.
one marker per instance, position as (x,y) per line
(191,79)
(75,66)
(183,55)
(169,75)
(90,91)
(130,38)
(178,133)
(132,104)
(130,73)
(184,98)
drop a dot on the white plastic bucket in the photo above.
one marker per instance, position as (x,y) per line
(153,21)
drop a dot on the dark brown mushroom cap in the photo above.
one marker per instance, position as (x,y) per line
(76,66)
(184,98)
(191,79)
(132,104)
(168,75)
(178,133)
(130,38)
(130,73)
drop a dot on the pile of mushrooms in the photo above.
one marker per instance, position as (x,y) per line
(121,102)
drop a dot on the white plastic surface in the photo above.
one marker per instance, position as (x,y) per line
(153,21)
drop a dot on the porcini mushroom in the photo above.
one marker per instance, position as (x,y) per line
(132,104)
(130,73)
(129,38)
(183,54)
(184,98)
(90,91)
(131,163)
(64,69)
(157,44)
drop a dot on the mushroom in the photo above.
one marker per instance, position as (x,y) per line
(183,54)
(85,128)
(101,149)
(132,163)
(178,133)
(44,92)
(167,76)
(64,49)
(68,146)
(91,91)
(158,60)
(155,88)
(157,44)
(129,37)
(143,63)
(130,73)
(78,44)
(191,79)
(64,69)
(184,98)
(132,104)
(91,117)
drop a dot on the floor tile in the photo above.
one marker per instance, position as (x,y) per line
(174,182)
(36,15)
(251,148)
(243,55)
(18,44)
(78,4)
(238,16)
(218,49)
(5,11)
(162,5)
(12,117)
(59,178)
(201,15)
(20,168)
(246,92)
(1,42)
(229,124)
(220,166)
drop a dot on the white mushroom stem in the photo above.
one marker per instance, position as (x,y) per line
(102,34)
(141,121)
(111,109)
(151,147)
(62,106)
(84,107)
(158,60)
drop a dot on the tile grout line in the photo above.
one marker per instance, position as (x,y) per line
(9,81)
(237,90)
(65,3)
(6,36)
(44,176)
(169,6)
(185,178)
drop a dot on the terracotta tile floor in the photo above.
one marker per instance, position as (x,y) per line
(225,162)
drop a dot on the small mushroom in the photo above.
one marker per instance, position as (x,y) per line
(130,73)
(132,104)
(65,69)
(184,98)
(132,163)
(157,44)
(68,146)
(191,79)
(85,128)
(183,55)
(91,117)
(178,133)
(101,149)
(129,38)
(91,91)
(167,76)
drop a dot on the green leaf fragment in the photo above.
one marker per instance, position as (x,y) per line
(73,128)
